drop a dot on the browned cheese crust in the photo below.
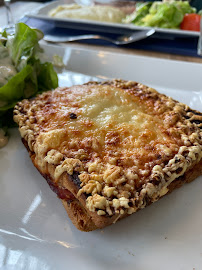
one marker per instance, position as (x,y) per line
(110,149)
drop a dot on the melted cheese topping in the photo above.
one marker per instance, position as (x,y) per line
(110,123)
(125,141)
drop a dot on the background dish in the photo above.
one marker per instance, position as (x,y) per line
(113,28)
(35,231)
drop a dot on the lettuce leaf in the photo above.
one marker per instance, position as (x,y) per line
(47,78)
(21,46)
(14,90)
(162,14)
(166,15)
(32,76)
(141,11)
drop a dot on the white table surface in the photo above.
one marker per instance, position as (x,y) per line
(18,9)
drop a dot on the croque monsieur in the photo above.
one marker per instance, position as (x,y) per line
(110,149)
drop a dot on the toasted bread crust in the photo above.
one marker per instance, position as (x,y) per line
(83,221)
(104,190)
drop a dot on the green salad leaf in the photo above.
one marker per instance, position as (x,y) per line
(22,46)
(47,78)
(165,15)
(15,89)
(185,7)
(141,11)
(162,14)
(22,74)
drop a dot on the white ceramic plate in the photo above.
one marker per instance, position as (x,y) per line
(42,13)
(35,231)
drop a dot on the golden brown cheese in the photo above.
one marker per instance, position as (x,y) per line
(125,140)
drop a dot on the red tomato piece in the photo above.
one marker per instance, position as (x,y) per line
(191,22)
